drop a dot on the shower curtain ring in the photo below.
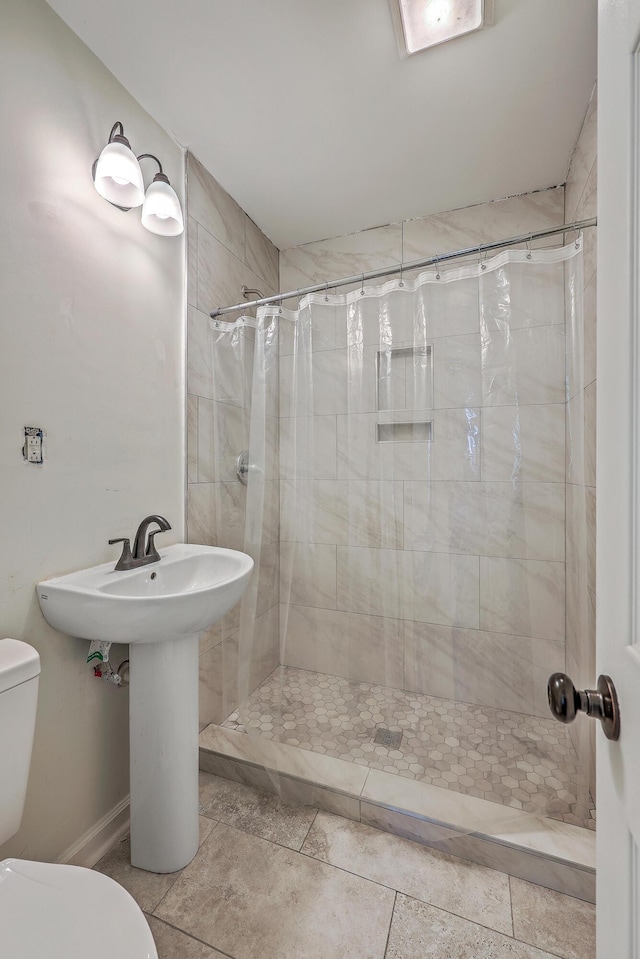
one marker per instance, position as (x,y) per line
(437,269)
(362,287)
(326,292)
(529,254)
(483,265)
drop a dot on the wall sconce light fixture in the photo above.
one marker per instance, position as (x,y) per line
(117,177)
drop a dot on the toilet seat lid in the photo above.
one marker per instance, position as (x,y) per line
(68,912)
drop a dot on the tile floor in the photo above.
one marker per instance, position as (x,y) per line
(511,758)
(272,881)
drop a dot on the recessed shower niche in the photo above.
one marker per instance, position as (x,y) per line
(404,385)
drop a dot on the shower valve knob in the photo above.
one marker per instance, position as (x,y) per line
(565,702)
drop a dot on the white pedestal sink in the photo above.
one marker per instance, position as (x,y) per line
(159,610)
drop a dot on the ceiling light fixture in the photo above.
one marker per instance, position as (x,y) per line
(426,23)
(117,177)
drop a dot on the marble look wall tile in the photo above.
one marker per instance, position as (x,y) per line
(576,531)
(365,648)
(580,627)
(514,216)
(268,567)
(314,383)
(356,512)
(316,333)
(452,454)
(212,207)
(230,501)
(192,438)
(315,511)
(192,261)
(308,574)
(315,768)
(308,447)
(524,444)
(265,649)
(590,512)
(523,520)
(519,296)
(582,160)
(590,331)
(201,514)
(221,274)
(341,256)
(427,587)
(457,372)
(199,365)
(260,254)
(218,669)
(471,666)
(587,207)
(549,838)
(451,309)
(223,629)
(590,434)
(232,366)
(562,876)
(524,597)
(524,367)
(589,255)
(230,428)
(289,790)
(458,886)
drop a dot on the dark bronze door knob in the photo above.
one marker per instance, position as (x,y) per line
(565,702)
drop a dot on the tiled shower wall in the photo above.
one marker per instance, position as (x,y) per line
(580,204)
(225,251)
(334,622)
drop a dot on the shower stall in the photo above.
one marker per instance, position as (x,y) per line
(409,447)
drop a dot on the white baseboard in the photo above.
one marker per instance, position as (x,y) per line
(97,841)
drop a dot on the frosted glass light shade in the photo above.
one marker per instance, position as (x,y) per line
(428,22)
(118,177)
(161,210)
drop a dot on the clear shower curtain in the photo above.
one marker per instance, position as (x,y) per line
(409,449)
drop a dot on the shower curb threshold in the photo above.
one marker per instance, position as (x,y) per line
(533,847)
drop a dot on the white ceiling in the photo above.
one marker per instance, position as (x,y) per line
(306,113)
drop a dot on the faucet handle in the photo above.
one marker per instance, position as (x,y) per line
(152,550)
(126,559)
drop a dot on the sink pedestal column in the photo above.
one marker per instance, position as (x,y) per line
(163,735)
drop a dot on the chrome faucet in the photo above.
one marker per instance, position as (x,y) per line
(144,547)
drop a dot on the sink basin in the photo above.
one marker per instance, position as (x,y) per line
(188,590)
(159,610)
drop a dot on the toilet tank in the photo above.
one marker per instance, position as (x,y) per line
(19,671)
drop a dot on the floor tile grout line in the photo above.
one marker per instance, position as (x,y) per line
(190,935)
(393,912)
(399,892)
(513,925)
(542,950)
(181,871)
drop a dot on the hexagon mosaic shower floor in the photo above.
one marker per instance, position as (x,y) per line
(510,758)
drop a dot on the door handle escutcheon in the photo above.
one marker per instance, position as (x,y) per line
(565,702)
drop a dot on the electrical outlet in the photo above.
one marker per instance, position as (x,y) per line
(32,451)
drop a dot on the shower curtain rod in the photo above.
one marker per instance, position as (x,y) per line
(408,267)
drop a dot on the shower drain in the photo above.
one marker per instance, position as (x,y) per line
(386,737)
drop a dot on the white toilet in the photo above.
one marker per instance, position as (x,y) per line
(50,911)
